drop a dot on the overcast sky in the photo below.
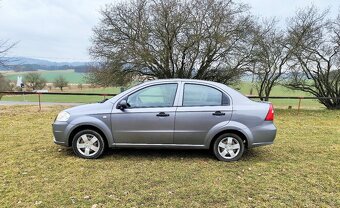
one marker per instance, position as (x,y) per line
(60,30)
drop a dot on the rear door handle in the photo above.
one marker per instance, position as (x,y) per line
(218,113)
(162,114)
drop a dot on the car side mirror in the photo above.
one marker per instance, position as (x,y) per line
(123,105)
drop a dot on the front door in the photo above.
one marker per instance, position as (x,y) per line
(203,107)
(150,117)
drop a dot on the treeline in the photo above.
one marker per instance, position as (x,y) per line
(218,40)
(33,81)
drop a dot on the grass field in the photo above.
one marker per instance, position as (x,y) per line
(70,75)
(300,170)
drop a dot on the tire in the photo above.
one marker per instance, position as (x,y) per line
(88,144)
(228,147)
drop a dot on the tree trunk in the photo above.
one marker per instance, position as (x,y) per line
(331,104)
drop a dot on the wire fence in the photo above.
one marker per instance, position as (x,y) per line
(280,101)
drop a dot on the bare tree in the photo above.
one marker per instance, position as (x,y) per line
(5,46)
(270,56)
(109,74)
(80,86)
(200,39)
(317,57)
(34,81)
(60,82)
(4,85)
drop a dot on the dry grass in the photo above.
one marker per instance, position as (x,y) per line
(300,170)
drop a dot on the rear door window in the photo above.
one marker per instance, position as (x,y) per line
(202,95)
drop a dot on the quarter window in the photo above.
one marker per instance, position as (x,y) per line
(153,96)
(201,95)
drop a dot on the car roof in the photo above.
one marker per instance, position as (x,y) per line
(183,80)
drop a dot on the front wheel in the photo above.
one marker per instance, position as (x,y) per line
(88,144)
(228,147)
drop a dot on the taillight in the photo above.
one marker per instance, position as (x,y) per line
(270,114)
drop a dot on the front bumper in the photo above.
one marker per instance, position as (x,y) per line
(60,133)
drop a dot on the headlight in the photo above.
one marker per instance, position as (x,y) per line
(63,116)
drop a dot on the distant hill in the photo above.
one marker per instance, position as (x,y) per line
(25,60)
(31,64)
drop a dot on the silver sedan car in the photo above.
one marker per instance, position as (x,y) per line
(174,113)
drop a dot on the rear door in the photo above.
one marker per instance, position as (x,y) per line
(203,106)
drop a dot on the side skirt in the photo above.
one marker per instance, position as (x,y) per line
(159,146)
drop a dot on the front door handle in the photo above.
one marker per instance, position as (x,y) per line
(218,113)
(162,114)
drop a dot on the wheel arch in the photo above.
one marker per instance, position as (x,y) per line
(231,131)
(87,127)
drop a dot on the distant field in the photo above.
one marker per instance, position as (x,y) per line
(244,88)
(66,98)
(71,76)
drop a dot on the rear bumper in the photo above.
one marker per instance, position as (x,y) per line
(60,134)
(263,135)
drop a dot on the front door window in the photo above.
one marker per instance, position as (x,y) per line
(154,96)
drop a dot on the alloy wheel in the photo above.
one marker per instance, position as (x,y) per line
(88,145)
(229,147)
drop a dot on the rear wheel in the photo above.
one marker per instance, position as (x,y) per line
(228,147)
(88,144)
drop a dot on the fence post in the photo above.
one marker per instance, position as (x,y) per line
(39,102)
(300,98)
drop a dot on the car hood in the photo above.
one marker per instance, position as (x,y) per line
(90,109)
